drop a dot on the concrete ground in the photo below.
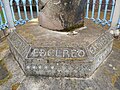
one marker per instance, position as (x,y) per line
(107,76)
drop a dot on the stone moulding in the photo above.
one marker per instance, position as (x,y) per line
(96,53)
(19,48)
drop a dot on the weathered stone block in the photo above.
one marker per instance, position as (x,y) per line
(62,15)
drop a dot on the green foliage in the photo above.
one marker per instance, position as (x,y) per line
(2,16)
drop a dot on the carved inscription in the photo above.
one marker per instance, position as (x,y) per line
(101,42)
(103,54)
(53,52)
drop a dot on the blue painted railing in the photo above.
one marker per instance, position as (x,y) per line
(118,26)
(3,19)
(101,19)
(20,17)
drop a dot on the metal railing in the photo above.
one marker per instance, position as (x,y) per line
(23,3)
(3,19)
(20,14)
(105,11)
(99,11)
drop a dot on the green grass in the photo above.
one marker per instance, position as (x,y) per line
(2,16)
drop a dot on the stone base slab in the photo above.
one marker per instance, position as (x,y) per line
(34,61)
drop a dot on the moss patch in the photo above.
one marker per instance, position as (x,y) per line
(116,43)
(72,28)
(6,79)
(3,46)
(9,75)
(15,86)
(114,78)
(2,16)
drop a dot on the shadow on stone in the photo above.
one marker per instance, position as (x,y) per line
(4,73)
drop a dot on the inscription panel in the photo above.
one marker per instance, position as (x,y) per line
(100,43)
(101,56)
(57,53)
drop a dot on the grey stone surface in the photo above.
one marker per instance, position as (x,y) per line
(17,74)
(62,14)
(19,43)
(19,48)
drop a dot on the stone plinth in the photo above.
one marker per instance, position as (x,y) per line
(64,15)
(56,54)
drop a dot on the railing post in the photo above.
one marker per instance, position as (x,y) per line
(115,19)
(18,8)
(31,10)
(104,21)
(37,7)
(8,14)
(87,10)
(116,14)
(4,14)
(93,10)
(13,14)
(99,11)
(113,8)
(25,11)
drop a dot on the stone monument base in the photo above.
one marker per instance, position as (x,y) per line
(43,52)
